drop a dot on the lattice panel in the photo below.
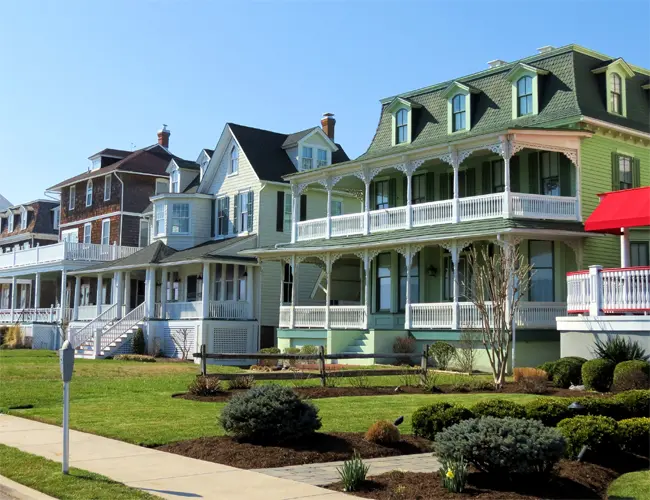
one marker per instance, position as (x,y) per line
(230,340)
(169,346)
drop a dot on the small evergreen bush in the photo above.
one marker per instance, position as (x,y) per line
(428,420)
(618,349)
(138,343)
(499,408)
(549,411)
(567,371)
(597,374)
(603,407)
(268,362)
(205,386)
(309,349)
(502,446)
(383,432)
(442,353)
(599,433)
(142,358)
(634,435)
(636,403)
(242,382)
(269,413)
(629,375)
(353,473)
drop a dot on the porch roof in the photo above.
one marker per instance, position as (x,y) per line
(471,229)
(620,209)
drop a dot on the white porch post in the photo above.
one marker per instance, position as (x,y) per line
(127,292)
(37,291)
(366,291)
(328,276)
(222,284)
(100,285)
(408,256)
(455,320)
(409,197)
(596,296)
(163,293)
(294,286)
(249,290)
(328,233)
(62,301)
(366,202)
(14,286)
(295,212)
(576,165)
(77,293)
(150,292)
(116,296)
(625,247)
(505,147)
(455,211)
(205,291)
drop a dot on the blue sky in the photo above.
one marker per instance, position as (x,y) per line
(79,76)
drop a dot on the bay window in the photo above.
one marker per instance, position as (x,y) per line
(180,218)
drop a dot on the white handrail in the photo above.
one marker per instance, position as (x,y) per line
(122,326)
(87,332)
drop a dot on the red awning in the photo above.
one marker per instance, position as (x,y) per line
(618,209)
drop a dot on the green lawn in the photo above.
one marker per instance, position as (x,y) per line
(131,401)
(45,476)
(635,485)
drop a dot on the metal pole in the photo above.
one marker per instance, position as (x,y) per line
(66,425)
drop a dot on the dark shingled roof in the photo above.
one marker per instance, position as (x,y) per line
(264,150)
(292,139)
(209,151)
(186,164)
(210,250)
(120,153)
(193,186)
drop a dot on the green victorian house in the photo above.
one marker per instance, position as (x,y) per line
(514,154)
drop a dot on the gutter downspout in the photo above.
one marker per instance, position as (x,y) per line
(121,206)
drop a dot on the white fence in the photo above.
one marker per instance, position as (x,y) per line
(341,317)
(435,315)
(229,309)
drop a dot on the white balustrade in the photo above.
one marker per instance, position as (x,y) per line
(40,315)
(285,317)
(228,309)
(312,229)
(578,291)
(88,313)
(470,317)
(346,225)
(434,315)
(347,317)
(184,310)
(539,314)
(432,213)
(625,290)
(309,316)
(539,206)
(121,327)
(87,332)
(481,207)
(387,219)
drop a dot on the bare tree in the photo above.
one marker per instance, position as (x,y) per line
(466,351)
(181,340)
(496,282)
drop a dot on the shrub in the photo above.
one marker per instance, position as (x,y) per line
(618,349)
(454,474)
(353,472)
(603,407)
(269,413)
(404,345)
(205,386)
(135,357)
(309,349)
(268,362)
(13,338)
(242,382)
(599,433)
(548,368)
(502,445)
(597,374)
(634,435)
(636,403)
(383,432)
(567,371)
(549,411)
(521,373)
(137,342)
(499,408)
(629,375)
(442,353)
(290,350)
(531,380)
(428,420)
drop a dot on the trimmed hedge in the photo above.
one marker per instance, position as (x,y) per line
(499,408)
(428,420)
(603,407)
(597,374)
(634,435)
(599,433)
(630,375)
(636,403)
(549,411)
(142,358)
(565,371)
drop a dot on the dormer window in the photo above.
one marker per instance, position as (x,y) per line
(615,94)
(89,193)
(175,181)
(458,112)
(401,126)
(234,160)
(525,96)
(10,222)
(322,158)
(613,79)
(23,219)
(307,158)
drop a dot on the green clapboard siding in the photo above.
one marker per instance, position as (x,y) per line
(596,177)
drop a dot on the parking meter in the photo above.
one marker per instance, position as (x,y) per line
(66,360)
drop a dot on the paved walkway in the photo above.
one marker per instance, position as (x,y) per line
(11,490)
(159,473)
(322,474)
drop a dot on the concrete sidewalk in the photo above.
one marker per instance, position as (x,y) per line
(11,490)
(159,473)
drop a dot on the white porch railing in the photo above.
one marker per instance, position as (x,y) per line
(183,310)
(285,317)
(229,309)
(434,315)
(87,332)
(341,317)
(309,316)
(30,315)
(539,314)
(469,316)
(122,326)
(578,291)
(441,212)
(347,317)
(87,313)
(64,251)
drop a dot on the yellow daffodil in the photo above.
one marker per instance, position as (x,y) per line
(450,473)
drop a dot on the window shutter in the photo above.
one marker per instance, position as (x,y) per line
(213,217)
(392,192)
(303,207)
(615,173)
(470,182)
(486,177)
(226,211)
(533,173)
(430,182)
(251,211)
(236,227)
(636,172)
(279,213)
(515,174)
(565,176)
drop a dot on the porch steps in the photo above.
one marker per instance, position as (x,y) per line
(87,351)
(360,345)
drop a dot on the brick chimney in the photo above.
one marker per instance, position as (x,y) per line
(163,136)
(327,123)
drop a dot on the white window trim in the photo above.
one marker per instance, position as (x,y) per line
(107,187)
(160,209)
(238,224)
(66,232)
(72,197)
(393,108)
(286,223)
(189,220)
(89,226)
(56,218)
(89,191)
(175,178)
(23,219)
(10,222)
(104,221)
(230,160)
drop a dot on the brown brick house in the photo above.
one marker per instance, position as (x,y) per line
(29,225)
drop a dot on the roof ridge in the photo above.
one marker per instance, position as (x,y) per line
(255,128)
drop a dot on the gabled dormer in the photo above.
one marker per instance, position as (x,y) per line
(402,111)
(459,107)
(525,81)
(203,161)
(311,148)
(182,173)
(615,74)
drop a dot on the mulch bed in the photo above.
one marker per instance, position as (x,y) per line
(335,392)
(321,447)
(570,480)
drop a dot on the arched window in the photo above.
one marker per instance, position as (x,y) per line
(89,193)
(524,96)
(615,95)
(401,126)
(458,113)
(234,160)
(175,181)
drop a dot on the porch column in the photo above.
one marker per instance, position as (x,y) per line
(222,284)
(455,211)
(505,145)
(150,287)
(100,285)
(328,277)
(37,291)
(596,295)
(14,286)
(295,212)
(294,286)
(366,291)
(408,257)
(409,197)
(625,247)
(163,293)
(249,290)
(328,232)
(64,289)
(366,204)
(77,293)
(127,292)
(455,319)
(578,197)
(205,290)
